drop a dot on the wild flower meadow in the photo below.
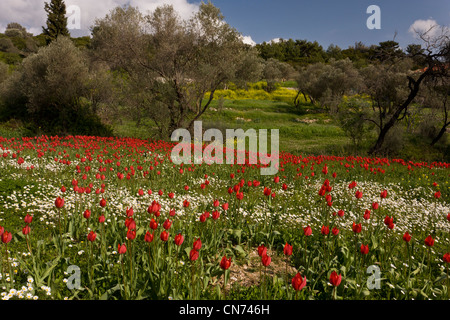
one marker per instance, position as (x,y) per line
(113,218)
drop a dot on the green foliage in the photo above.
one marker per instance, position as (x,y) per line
(56,24)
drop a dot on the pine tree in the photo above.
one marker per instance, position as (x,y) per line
(56,20)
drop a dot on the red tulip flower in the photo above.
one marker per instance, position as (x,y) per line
(193,255)
(148,237)
(91,236)
(287,249)
(356,227)
(131,234)
(446,257)
(6,237)
(383,194)
(225,263)
(367,214)
(364,249)
(307,231)
(59,202)
(28,219)
(298,283)
(167,224)
(335,231)
(178,240)
(87,214)
(265,260)
(437,194)
(325,230)
(103,203)
(429,241)
(26,230)
(375,205)
(153,224)
(101,219)
(164,236)
(197,244)
(335,279)
(358,194)
(406,237)
(121,248)
(262,250)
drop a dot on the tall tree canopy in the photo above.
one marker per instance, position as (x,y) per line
(56,20)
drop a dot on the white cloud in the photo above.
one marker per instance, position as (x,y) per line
(430,27)
(275,40)
(31,13)
(248,40)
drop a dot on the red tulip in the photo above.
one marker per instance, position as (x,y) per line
(287,249)
(193,255)
(101,219)
(164,236)
(335,231)
(325,230)
(358,194)
(367,214)
(153,224)
(6,236)
(179,238)
(341,213)
(267,191)
(215,215)
(167,224)
(265,260)
(121,248)
(446,257)
(59,202)
(197,244)
(103,203)
(148,237)
(298,283)
(216,203)
(131,234)
(356,227)
(383,194)
(307,231)
(437,194)
(375,206)
(262,250)
(225,207)
(87,214)
(429,241)
(26,230)
(388,220)
(225,263)
(129,212)
(28,219)
(406,237)
(239,195)
(91,236)
(448,217)
(364,249)
(335,279)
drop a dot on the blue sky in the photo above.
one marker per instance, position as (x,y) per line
(339,22)
(326,21)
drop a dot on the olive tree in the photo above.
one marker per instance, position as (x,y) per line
(172,67)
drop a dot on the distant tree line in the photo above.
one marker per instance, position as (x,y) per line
(161,71)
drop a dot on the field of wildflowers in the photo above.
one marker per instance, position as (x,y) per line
(113,218)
